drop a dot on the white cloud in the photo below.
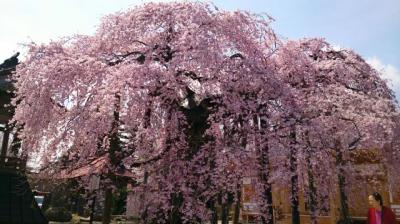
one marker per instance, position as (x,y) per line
(389,73)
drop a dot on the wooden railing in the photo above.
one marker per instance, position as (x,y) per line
(12,163)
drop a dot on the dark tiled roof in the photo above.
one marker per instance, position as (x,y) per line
(9,65)
(6,69)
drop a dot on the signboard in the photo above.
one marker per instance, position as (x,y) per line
(94,183)
(39,200)
(249,195)
(250,207)
(396,209)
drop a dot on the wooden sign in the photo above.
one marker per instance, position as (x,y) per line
(94,183)
(396,209)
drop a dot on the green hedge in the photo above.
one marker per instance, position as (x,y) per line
(58,214)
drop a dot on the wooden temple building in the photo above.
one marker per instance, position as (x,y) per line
(357,195)
(17,203)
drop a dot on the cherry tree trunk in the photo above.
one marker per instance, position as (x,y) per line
(175,215)
(264,173)
(214,212)
(267,191)
(344,207)
(312,189)
(225,213)
(294,180)
(237,206)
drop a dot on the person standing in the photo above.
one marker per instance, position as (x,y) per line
(378,213)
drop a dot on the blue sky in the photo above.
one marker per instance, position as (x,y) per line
(370,27)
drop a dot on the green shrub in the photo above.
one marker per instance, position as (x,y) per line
(58,214)
(76,219)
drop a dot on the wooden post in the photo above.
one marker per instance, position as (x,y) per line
(93,186)
(92,209)
(4,145)
(107,207)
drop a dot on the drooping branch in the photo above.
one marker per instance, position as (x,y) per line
(140,58)
(353,144)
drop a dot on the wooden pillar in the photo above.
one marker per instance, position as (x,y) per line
(107,206)
(92,206)
(4,145)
